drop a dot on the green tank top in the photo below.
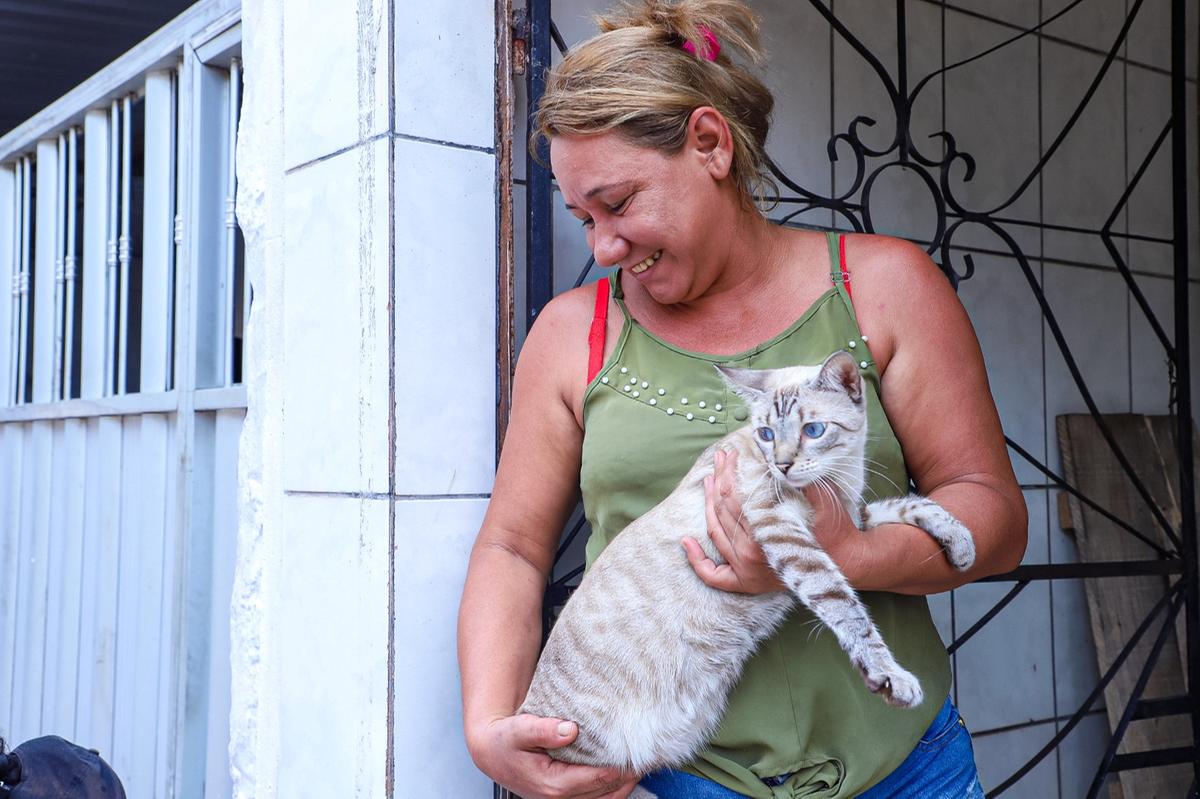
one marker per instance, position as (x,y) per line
(800,707)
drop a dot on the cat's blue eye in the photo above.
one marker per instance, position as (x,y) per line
(814,429)
(766,433)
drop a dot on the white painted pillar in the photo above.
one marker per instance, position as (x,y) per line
(112,256)
(8,267)
(70,264)
(43,269)
(95,251)
(230,232)
(125,244)
(158,229)
(60,251)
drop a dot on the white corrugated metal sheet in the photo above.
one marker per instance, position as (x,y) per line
(92,606)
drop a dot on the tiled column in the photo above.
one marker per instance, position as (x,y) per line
(445,370)
(367,194)
(311,631)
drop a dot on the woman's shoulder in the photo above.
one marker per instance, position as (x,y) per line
(562,325)
(876,257)
(557,344)
(897,289)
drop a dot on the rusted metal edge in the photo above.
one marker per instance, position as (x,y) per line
(505,275)
(505,258)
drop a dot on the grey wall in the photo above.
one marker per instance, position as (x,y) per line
(1033,665)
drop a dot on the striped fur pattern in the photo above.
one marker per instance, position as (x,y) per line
(644,654)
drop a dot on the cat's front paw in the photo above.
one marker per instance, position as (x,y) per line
(897,687)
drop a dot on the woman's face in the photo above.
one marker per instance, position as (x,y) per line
(656,216)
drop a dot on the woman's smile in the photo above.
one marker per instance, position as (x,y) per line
(649,261)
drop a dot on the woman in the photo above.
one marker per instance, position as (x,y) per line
(657,141)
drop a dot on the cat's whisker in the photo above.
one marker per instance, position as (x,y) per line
(750,495)
(823,484)
(939,554)
(754,488)
(840,482)
(856,460)
(867,459)
(843,470)
(843,480)
(878,473)
(864,460)
(814,630)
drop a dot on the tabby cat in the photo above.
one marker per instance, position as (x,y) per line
(644,654)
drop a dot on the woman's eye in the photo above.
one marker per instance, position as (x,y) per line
(586,222)
(814,429)
(621,206)
(766,434)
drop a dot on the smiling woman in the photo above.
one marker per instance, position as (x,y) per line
(656,135)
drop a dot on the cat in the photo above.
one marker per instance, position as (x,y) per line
(644,654)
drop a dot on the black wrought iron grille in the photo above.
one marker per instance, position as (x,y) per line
(946,172)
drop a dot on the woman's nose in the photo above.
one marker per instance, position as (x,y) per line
(608,246)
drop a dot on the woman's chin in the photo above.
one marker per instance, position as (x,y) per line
(659,286)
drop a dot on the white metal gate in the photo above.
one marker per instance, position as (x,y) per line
(121,408)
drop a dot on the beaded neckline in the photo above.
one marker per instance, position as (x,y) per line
(618,295)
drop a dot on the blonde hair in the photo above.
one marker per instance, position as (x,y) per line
(636,78)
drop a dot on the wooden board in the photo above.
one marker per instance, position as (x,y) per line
(1163,430)
(1118,605)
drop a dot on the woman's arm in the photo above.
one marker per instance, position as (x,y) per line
(499,625)
(935,392)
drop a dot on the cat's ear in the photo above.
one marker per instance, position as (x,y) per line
(840,372)
(750,384)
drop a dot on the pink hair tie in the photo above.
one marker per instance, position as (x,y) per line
(712,48)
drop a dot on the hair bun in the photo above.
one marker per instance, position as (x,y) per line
(733,24)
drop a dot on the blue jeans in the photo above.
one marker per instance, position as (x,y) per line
(941,767)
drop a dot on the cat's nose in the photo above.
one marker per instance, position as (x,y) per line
(784,465)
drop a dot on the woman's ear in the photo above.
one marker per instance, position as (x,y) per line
(709,139)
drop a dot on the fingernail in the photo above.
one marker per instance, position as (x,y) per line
(564,729)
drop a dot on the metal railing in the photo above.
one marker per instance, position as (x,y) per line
(94,274)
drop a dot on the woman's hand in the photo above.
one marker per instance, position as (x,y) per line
(512,751)
(745,569)
(835,531)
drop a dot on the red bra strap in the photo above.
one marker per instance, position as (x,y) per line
(845,271)
(599,327)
